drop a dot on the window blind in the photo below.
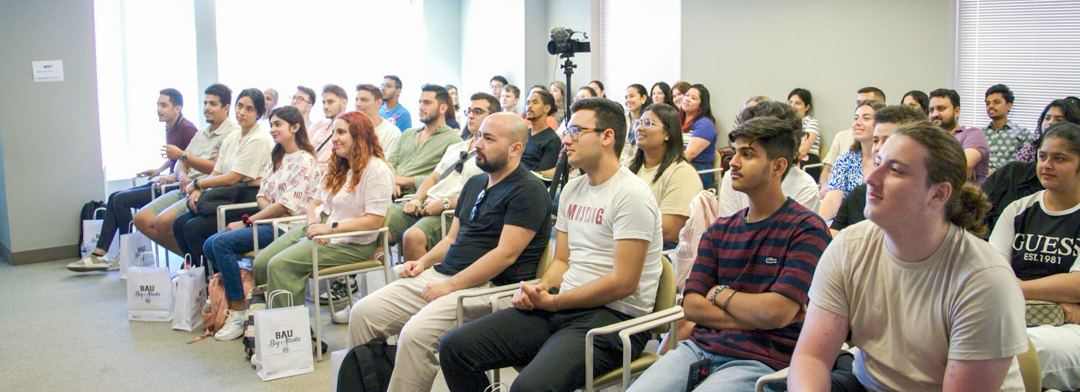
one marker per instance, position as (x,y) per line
(1032,46)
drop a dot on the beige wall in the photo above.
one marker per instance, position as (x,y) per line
(832,48)
(52,148)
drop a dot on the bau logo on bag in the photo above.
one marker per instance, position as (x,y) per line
(147,291)
(283,338)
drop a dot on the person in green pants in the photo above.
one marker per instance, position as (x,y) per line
(354,195)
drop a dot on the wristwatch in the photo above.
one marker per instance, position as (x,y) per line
(183,157)
(714,292)
(195,183)
(333,226)
(445,204)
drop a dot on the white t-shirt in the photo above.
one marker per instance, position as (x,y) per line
(370,196)
(451,185)
(388,135)
(842,142)
(909,319)
(797,185)
(207,145)
(594,217)
(246,155)
(293,184)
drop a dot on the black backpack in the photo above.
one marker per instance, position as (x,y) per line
(367,367)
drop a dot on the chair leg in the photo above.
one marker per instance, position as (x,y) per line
(318,322)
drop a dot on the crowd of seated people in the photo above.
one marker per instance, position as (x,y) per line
(912,236)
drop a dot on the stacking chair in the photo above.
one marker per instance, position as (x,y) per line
(354,267)
(664,316)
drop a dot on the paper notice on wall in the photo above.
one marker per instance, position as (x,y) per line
(49,71)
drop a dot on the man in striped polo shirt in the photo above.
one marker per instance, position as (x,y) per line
(747,291)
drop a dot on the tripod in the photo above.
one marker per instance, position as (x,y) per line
(562,172)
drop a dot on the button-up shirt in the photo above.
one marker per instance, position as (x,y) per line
(1005,143)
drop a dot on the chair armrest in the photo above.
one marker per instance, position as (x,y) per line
(221,210)
(625,329)
(315,247)
(498,291)
(442,220)
(811,166)
(273,222)
(713,170)
(767,379)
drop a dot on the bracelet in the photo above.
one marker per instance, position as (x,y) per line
(727,300)
(711,295)
(246,219)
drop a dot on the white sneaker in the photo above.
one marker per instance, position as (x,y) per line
(89,263)
(342,316)
(233,327)
(114,265)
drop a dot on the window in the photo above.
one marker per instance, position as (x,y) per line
(632,53)
(280,44)
(1030,45)
(142,47)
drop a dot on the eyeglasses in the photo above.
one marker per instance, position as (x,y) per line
(476,112)
(297,98)
(643,123)
(476,205)
(575,132)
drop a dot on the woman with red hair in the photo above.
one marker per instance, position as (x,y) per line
(354,195)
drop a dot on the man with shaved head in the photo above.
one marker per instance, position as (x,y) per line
(501,226)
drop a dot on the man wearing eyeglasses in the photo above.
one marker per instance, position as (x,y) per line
(334,100)
(302,100)
(391,110)
(500,229)
(542,152)
(606,269)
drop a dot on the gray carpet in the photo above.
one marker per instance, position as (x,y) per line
(70,332)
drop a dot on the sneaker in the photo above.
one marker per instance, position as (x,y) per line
(342,316)
(114,265)
(232,328)
(89,263)
(339,292)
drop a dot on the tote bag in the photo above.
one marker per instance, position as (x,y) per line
(283,341)
(149,294)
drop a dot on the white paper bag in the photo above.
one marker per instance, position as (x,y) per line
(282,341)
(190,297)
(149,294)
(133,247)
(336,358)
(91,231)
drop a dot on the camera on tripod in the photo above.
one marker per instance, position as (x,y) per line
(563,43)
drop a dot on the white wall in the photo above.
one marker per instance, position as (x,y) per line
(492,34)
(575,15)
(768,47)
(52,157)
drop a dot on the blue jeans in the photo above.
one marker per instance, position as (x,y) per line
(706,179)
(221,250)
(672,371)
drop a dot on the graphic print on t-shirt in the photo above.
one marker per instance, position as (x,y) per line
(1044,244)
(585,214)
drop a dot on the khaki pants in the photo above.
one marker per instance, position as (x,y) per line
(399,308)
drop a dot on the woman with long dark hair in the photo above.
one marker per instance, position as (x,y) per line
(698,120)
(661,93)
(451,114)
(636,100)
(916,99)
(288,183)
(660,162)
(1057,110)
(354,195)
(810,147)
(1037,235)
(677,93)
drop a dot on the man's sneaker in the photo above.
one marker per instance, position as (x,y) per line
(342,316)
(232,328)
(114,265)
(339,292)
(89,263)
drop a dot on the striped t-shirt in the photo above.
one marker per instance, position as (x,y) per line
(775,255)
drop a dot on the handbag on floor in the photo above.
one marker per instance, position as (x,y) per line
(190,297)
(282,341)
(256,300)
(90,231)
(149,294)
(132,246)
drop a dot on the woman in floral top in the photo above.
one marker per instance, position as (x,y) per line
(849,170)
(288,184)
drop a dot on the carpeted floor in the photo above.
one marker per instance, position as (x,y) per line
(70,332)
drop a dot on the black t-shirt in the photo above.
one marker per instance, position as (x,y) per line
(542,151)
(851,210)
(1043,243)
(1009,183)
(521,200)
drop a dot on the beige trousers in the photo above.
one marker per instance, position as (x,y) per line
(399,308)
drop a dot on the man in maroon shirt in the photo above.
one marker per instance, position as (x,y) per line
(178,133)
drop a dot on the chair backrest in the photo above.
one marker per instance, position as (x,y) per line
(665,292)
(545,259)
(1030,369)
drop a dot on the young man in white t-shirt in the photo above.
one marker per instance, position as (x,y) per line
(930,305)
(334,100)
(368,101)
(606,269)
